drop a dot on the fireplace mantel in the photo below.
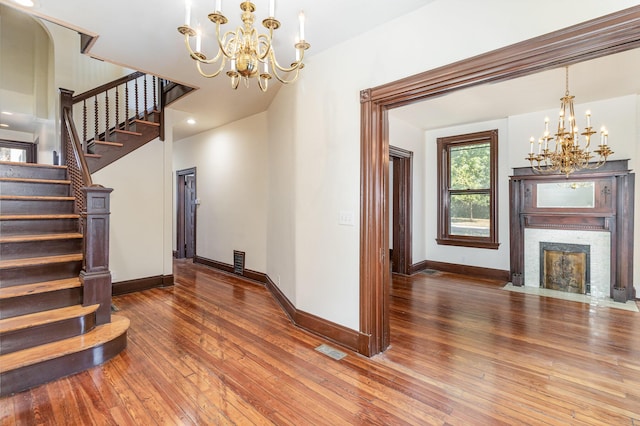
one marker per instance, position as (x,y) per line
(609,207)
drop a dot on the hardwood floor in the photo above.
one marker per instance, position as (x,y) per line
(218,350)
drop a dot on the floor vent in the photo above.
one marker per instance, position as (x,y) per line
(429,272)
(331,352)
(238,262)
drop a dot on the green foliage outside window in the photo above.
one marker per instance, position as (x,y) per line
(470,171)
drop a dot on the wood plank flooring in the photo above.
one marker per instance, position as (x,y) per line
(216,350)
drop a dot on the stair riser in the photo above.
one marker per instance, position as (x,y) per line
(23,171)
(34,189)
(26,377)
(38,226)
(33,274)
(46,333)
(39,302)
(10,207)
(40,248)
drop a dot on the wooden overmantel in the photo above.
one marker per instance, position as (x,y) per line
(612,212)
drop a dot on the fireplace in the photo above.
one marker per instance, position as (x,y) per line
(593,208)
(565,267)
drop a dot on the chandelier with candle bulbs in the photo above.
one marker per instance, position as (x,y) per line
(569,153)
(250,55)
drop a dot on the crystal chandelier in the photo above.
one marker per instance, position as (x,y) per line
(251,55)
(568,154)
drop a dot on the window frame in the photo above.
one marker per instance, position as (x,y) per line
(444,145)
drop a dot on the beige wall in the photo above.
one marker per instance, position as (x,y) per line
(137,242)
(231,163)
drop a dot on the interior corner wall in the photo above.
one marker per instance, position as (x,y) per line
(231,185)
(136,234)
(327,140)
(281,249)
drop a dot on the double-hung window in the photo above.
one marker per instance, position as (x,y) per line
(467,190)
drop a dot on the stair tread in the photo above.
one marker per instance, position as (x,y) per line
(40,287)
(107,143)
(150,123)
(42,260)
(127,132)
(34,180)
(39,237)
(19,163)
(35,198)
(39,216)
(45,317)
(99,335)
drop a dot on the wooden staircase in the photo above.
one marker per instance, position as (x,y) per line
(45,331)
(123,139)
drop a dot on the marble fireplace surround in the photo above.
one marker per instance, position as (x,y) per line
(600,256)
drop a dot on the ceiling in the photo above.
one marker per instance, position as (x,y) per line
(147,30)
(142,35)
(602,78)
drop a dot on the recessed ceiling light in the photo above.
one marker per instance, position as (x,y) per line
(25,3)
(4,125)
(7,112)
(191,121)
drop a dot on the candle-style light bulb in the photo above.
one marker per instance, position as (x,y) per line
(187,13)
(588,119)
(198,41)
(272,8)
(301,20)
(531,141)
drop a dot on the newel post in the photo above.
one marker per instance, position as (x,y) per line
(95,274)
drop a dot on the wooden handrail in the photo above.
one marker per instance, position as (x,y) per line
(98,90)
(81,162)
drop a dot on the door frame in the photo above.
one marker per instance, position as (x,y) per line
(180,212)
(401,256)
(605,35)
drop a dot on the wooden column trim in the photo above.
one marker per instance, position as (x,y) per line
(613,33)
(95,274)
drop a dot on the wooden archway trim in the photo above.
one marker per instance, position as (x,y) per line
(602,36)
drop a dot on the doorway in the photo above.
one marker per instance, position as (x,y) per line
(401,206)
(613,33)
(186,201)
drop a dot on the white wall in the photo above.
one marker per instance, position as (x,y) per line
(281,224)
(327,141)
(487,258)
(231,184)
(138,246)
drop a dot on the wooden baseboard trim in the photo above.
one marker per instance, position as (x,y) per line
(225,267)
(493,274)
(130,286)
(343,336)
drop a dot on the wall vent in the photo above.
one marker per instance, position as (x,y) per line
(238,262)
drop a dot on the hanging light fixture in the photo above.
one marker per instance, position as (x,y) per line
(250,55)
(568,153)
